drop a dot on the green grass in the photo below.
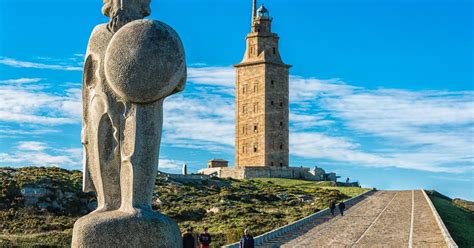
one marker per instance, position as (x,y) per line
(48,239)
(310,185)
(459,221)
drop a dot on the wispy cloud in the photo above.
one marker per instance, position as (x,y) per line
(425,130)
(199,120)
(34,65)
(169,165)
(32,146)
(34,153)
(30,105)
(219,76)
(21,80)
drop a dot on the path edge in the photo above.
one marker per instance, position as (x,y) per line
(446,235)
(292,226)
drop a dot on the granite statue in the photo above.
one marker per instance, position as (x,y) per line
(132,64)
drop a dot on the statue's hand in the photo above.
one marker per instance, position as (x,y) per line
(84,140)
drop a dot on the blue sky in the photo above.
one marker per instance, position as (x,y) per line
(381,91)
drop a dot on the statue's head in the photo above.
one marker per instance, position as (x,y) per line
(122,12)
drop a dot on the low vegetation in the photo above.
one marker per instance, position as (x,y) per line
(457,217)
(226,206)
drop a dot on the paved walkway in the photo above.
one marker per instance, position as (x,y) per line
(384,219)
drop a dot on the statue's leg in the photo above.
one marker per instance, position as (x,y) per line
(104,163)
(140,150)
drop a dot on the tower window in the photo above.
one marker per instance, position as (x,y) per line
(281,164)
(281,104)
(271,163)
(273,83)
(281,146)
(274,51)
(255,148)
(255,128)
(244,89)
(255,107)
(281,124)
(271,103)
(255,88)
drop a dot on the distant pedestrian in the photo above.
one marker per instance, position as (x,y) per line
(205,238)
(342,206)
(332,207)
(188,238)
(347,180)
(196,238)
(247,240)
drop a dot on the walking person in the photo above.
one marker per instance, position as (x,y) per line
(196,238)
(342,206)
(247,240)
(205,238)
(188,238)
(332,207)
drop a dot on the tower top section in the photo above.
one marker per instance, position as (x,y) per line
(262,43)
(263,13)
(261,20)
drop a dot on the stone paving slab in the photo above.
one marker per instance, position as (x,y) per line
(384,219)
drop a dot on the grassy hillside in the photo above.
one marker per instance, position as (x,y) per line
(226,206)
(458,220)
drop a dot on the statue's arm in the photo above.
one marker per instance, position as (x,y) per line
(87,78)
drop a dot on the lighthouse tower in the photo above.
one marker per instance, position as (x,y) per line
(261,130)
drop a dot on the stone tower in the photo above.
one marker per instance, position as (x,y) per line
(261,131)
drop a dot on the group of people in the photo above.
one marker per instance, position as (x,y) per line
(203,240)
(341,206)
(192,240)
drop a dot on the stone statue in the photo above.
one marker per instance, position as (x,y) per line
(131,66)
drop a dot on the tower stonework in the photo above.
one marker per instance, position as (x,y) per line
(262,98)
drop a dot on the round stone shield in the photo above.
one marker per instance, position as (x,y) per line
(145,61)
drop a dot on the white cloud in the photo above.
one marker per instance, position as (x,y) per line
(169,165)
(320,146)
(27,64)
(32,153)
(218,76)
(21,80)
(204,121)
(425,130)
(30,105)
(32,146)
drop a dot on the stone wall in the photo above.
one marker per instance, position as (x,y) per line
(216,163)
(259,172)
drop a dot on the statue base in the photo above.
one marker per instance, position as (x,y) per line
(122,229)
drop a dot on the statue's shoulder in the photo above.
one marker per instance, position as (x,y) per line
(100,38)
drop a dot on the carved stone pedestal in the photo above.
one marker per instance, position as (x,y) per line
(120,229)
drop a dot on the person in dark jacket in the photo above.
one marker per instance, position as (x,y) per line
(205,238)
(247,240)
(188,239)
(342,206)
(332,207)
